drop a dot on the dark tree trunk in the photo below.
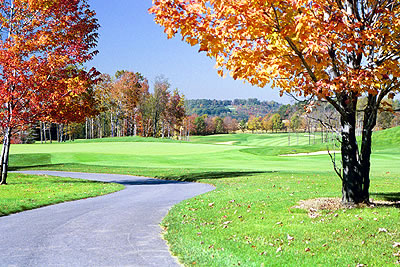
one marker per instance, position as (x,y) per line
(356,166)
(369,122)
(352,175)
(5,152)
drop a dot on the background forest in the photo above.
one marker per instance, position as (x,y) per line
(123,105)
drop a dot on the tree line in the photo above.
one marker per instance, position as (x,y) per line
(298,117)
(238,109)
(122,105)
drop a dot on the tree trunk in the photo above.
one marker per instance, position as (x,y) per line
(92,129)
(41,133)
(352,176)
(135,128)
(58,132)
(62,138)
(356,165)
(5,152)
(44,132)
(86,129)
(50,139)
(112,124)
(370,116)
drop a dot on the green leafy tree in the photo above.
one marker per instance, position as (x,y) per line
(243,125)
(219,125)
(200,125)
(276,122)
(295,122)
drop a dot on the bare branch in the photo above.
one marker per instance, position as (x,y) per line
(333,159)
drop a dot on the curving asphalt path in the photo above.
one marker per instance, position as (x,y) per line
(119,229)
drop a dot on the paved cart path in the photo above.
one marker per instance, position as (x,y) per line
(120,229)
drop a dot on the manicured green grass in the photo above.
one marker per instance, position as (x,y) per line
(250,218)
(25,192)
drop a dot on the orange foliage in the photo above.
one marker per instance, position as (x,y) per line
(40,42)
(320,48)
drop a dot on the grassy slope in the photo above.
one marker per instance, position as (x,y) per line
(249,217)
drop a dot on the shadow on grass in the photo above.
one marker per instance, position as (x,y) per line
(193,177)
(165,178)
(32,167)
(144,181)
(393,197)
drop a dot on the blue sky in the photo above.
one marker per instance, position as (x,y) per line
(130,40)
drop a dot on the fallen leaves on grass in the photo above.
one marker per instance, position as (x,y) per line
(336,203)
(319,204)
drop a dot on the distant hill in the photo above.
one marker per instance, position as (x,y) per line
(237,108)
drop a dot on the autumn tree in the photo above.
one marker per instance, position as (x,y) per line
(102,94)
(210,125)
(129,90)
(231,125)
(337,51)
(254,123)
(266,123)
(39,42)
(176,112)
(158,103)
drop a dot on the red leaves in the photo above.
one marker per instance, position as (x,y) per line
(37,78)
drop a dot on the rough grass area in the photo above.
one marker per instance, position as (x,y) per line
(251,221)
(251,218)
(25,192)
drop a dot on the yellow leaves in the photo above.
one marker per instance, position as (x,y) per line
(170,33)
(42,4)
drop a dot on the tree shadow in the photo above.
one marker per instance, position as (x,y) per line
(144,181)
(30,167)
(390,196)
(161,179)
(393,197)
(194,177)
